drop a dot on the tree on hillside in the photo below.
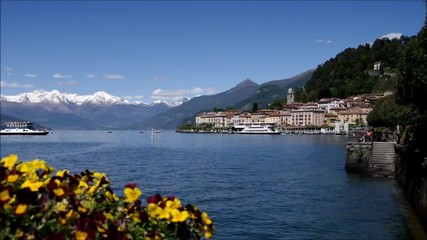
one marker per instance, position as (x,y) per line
(412,87)
(254,107)
(277,104)
(351,72)
(387,113)
(301,95)
(412,84)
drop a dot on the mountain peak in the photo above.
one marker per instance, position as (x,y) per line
(246,83)
(102,97)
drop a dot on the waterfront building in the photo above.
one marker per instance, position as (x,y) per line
(353,116)
(238,119)
(220,119)
(281,118)
(205,118)
(258,117)
(308,117)
(330,119)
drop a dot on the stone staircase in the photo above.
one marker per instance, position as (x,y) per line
(382,160)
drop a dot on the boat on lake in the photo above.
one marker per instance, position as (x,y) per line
(256,128)
(21,128)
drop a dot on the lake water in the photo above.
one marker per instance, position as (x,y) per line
(252,186)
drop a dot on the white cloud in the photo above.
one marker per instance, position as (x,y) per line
(133,97)
(113,76)
(392,36)
(15,85)
(70,83)
(322,41)
(30,75)
(161,94)
(91,76)
(61,76)
(210,91)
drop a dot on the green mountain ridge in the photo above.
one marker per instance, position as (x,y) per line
(351,72)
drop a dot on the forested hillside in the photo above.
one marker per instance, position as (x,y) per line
(352,72)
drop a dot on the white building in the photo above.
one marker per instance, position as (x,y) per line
(328,103)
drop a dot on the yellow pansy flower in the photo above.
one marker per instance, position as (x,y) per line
(40,164)
(93,188)
(132,194)
(206,218)
(80,235)
(12,178)
(25,167)
(69,214)
(165,213)
(21,209)
(154,210)
(111,196)
(5,195)
(34,186)
(61,173)
(178,216)
(208,234)
(176,203)
(100,175)
(9,161)
(59,192)
(83,185)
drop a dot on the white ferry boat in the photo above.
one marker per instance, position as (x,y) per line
(256,128)
(21,128)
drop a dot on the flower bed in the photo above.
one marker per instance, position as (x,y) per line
(34,204)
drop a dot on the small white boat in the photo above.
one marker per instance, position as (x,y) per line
(21,128)
(256,128)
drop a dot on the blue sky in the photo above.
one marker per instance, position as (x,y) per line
(164,50)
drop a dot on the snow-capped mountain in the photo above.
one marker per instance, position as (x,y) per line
(172,104)
(98,98)
(40,96)
(58,110)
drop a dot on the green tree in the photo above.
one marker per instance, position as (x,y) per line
(412,88)
(351,72)
(277,104)
(387,113)
(412,83)
(254,107)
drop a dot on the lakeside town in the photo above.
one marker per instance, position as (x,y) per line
(327,116)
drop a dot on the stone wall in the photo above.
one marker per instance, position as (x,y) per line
(358,154)
(411,174)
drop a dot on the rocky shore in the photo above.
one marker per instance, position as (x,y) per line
(411,174)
